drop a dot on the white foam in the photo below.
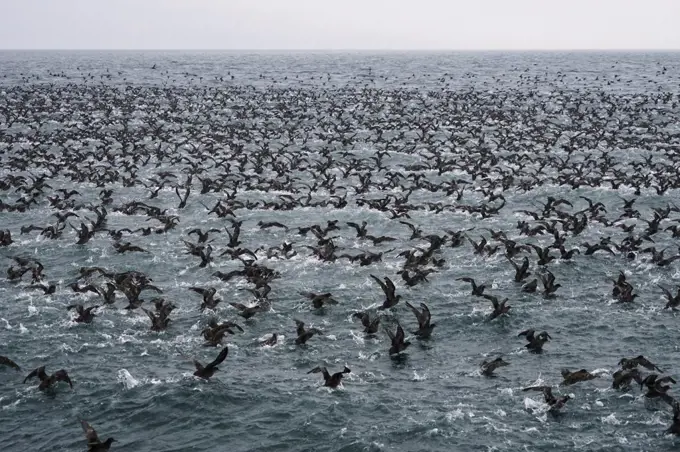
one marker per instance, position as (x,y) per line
(454,415)
(611,420)
(127,380)
(417,377)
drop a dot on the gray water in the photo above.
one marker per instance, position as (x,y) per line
(135,385)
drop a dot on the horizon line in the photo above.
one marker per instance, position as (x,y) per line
(111,49)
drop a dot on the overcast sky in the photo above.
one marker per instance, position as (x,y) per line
(346,24)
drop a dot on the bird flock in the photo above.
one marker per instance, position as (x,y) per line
(117,167)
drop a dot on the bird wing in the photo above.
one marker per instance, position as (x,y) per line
(151,315)
(90,434)
(221,357)
(365,321)
(494,300)
(390,285)
(61,375)
(666,292)
(400,334)
(8,362)
(239,306)
(416,312)
(382,284)
(35,373)
(425,314)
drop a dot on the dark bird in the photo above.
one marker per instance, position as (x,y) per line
(535,341)
(85,315)
(476,290)
(46,381)
(656,386)
(209,300)
(571,378)
(549,286)
(624,377)
(632,363)
(303,335)
(215,332)
(673,301)
(208,371)
(397,340)
(93,442)
(361,230)
(159,322)
(271,224)
(4,361)
(203,236)
(269,342)
(248,311)
(388,288)
(48,289)
(319,299)
(521,272)
(674,429)
(332,381)
(370,326)
(555,403)
(423,316)
(531,286)
(499,307)
(488,367)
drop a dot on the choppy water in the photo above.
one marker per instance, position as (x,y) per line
(135,385)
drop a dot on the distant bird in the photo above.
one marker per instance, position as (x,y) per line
(303,335)
(208,371)
(476,290)
(674,429)
(521,272)
(423,316)
(159,322)
(499,307)
(209,300)
(319,299)
(535,341)
(85,315)
(555,403)
(4,361)
(93,442)
(370,326)
(571,378)
(632,363)
(624,377)
(398,344)
(391,298)
(488,367)
(332,381)
(269,342)
(47,381)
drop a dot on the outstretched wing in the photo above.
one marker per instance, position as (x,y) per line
(221,357)
(36,373)
(61,375)
(8,362)
(382,284)
(90,434)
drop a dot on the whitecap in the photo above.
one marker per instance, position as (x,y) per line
(454,415)
(127,380)
(417,377)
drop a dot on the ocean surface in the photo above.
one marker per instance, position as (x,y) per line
(137,385)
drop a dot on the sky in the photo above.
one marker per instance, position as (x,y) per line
(340,25)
